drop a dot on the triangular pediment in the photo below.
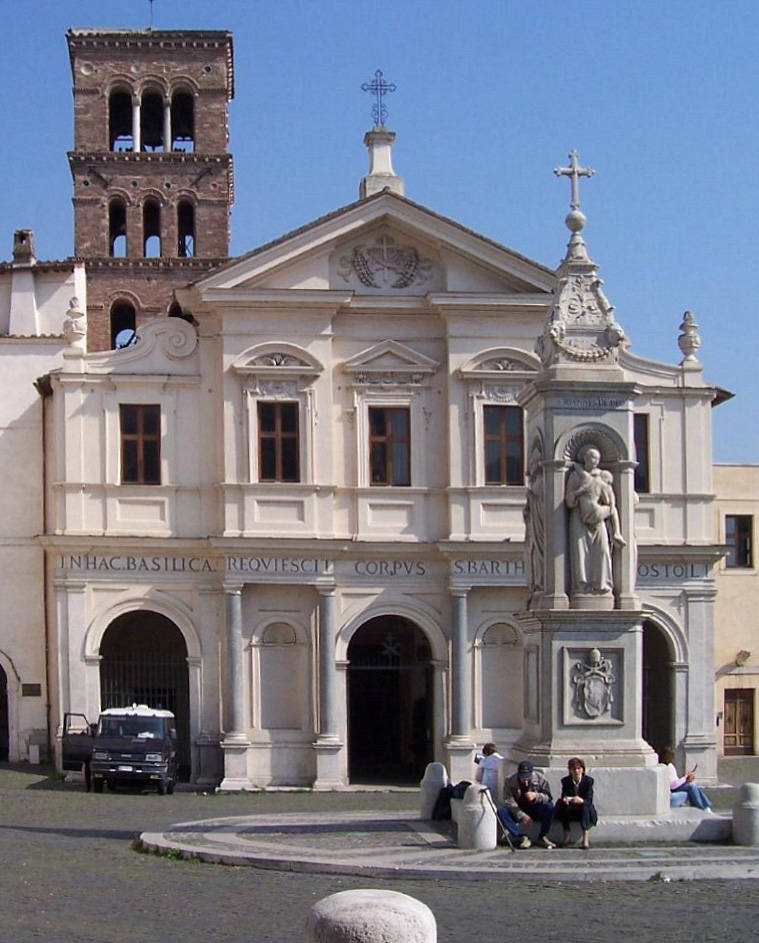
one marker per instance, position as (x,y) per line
(390,356)
(385,245)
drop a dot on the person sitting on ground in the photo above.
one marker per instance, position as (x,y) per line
(487,768)
(527,798)
(576,802)
(684,784)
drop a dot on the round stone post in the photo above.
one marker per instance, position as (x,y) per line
(746,815)
(370,916)
(477,821)
(434,779)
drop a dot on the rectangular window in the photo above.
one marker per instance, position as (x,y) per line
(389,445)
(140,445)
(738,529)
(278,442)
(504,445)
(640,438)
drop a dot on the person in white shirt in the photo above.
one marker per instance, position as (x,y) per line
(487,768)
(685,784)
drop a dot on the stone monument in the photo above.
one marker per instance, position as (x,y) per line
(583,623)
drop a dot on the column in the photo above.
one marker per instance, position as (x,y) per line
(459,744)
(625,557)
(331,769)
(166,125)
(460,676)
(136,137)
(234,712)
(235,743)
(327,669)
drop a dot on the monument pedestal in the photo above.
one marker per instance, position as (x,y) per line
(583,696)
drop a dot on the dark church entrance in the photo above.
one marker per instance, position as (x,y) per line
(4,725)
(658,693)
(144,661)
(390,714)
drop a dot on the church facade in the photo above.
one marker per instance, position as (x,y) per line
(294,513)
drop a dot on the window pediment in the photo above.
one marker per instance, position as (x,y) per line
(277,362)
(390,364)
(494,364)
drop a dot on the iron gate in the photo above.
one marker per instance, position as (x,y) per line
(144,661)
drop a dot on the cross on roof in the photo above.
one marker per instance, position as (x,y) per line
(379,88)
(574,171)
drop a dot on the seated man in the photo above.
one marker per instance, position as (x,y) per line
(527,798)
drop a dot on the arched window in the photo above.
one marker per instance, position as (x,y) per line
(151,122)
(117,229)
(151,229)
(185,230)
(120,131)
(123,324)
(183,122)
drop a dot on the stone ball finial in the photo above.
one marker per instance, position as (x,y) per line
(576,220)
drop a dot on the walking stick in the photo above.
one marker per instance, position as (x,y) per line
(501,827)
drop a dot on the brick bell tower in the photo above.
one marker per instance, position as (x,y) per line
(153,183)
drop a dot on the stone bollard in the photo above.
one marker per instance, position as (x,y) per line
(435,777)
(370,916)
(746,815)
(477,821)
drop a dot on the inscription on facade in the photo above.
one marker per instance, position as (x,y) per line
(488,567)
(589,402)
(116,563)
(666,572)
(389,568)
(291,565)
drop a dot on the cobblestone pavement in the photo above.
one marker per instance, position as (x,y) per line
(68,872)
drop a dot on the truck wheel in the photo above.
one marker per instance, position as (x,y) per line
(111,786)
(97,785)
(161,787)
(170,787)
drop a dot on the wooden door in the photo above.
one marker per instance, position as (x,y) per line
(739,722)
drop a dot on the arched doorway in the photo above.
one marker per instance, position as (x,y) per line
(390,715)
(4,725)
(658,690)
(144,661)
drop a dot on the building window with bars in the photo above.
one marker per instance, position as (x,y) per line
(504,445)
(389,445)
(278,442)
(738,529)
(642,449)
(140,444)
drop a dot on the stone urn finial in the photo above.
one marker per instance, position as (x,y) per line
(75,325)
(689,340)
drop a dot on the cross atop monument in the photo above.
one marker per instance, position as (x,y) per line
(574,171)
(379,88)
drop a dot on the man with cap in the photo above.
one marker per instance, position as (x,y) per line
(527,798)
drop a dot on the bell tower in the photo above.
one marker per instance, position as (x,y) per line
(152,176)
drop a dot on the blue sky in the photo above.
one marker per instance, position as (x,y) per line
(661,98)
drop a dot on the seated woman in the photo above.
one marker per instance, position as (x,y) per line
(576,802)
(487,768)
(679,785)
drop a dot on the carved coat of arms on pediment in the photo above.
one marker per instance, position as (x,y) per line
(384,264)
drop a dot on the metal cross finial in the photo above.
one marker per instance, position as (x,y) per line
(575,172)
(151,12)
(379,87)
